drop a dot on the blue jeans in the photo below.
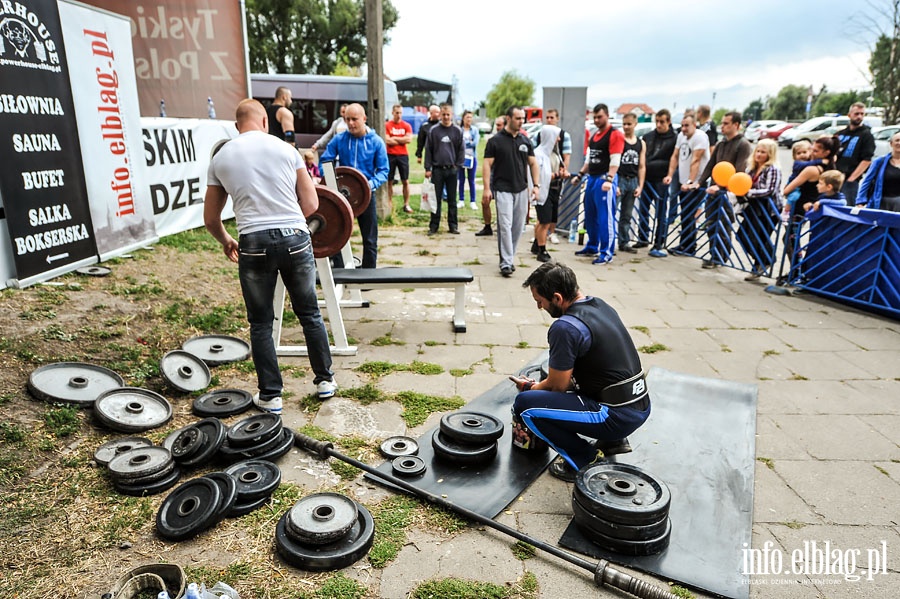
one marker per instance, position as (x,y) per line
(264,255)
(467,175)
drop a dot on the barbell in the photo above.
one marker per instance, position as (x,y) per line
(331,225)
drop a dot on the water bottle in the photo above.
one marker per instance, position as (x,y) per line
(163,595)
(573,230)
(193,591)
(162,108)
(210,108)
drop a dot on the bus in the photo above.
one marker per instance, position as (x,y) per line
(318,98)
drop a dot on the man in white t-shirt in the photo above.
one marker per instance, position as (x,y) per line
(272,194)
(690,157)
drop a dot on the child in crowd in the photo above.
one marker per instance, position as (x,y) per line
(801,152)
(829,188)
(309,157)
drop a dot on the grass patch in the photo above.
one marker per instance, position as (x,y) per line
(126,514)
(794,524)
(771,352)
(378,368)
(366,394)
(797,377)
(679,591)
(344,470)
(652,349)
(12,433)
(642,329)
(473,262)
(523,550)
(418,406)
(392,516)
(435,517)
(726,349)
(197,240)
(458,588)
(62,422)
(769,462)
(340,587)
(387,340)
(431,343)
(522,344)
(458,372)
(880,469)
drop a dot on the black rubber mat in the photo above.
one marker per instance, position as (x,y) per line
(700,440)
(486,489)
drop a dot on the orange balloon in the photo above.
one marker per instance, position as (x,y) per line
(722,173)
(740,183)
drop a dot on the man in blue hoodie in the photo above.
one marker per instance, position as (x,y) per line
(362,149)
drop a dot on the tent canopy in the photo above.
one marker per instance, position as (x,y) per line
(417,84)
(415,91)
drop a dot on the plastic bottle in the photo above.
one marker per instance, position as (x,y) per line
(192,592)
(210,108)
(162,108)
(573,230)
(163,595)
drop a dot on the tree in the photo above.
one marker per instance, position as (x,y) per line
(511,90)
(788,104)
(754,110)
(310,36)
(835,102)
(720,112)
(881,22)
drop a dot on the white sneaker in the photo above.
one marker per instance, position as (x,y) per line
(460,204)
(554,238)
(272,406)
(473,205)
(326,389)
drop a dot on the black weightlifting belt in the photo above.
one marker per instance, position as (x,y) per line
(631,392)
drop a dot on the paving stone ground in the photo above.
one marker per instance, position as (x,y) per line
(828,427)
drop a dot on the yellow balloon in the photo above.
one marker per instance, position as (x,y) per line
(722,173)
(740,183)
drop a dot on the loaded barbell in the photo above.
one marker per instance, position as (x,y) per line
(331,225)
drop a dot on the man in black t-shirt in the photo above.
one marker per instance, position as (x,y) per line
(508,157)
(281,119)
(595,387)
(857,149)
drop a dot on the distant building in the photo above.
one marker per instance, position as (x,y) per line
(642,111)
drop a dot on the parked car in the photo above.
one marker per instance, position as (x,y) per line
(754,130)
(484,126)
(883,137)
(774,132)
(813,129)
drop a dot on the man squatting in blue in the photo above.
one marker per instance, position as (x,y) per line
(595,394)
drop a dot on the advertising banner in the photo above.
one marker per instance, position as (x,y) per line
(42,179)
(177,154)
(98,45)
(186,51)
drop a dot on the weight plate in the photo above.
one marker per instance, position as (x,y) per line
(216,350)
(222,403)
(188,443)
(622,493)
(354,186)
(188,510)
(333,223)
(321,518)
(215,436)
(408,465)
(645,547)
(333,556)
(184,371)
(394,447)
(625,532)
(474,428)
(132,409)
(139,462)
(228,486)
(254,430)
(287,441)
(255,478)
(461,453)
(72,382)
(152,488)
(111,449)
(248,453)
(242,509)
(93,271)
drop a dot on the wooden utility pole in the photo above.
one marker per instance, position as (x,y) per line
(377,109)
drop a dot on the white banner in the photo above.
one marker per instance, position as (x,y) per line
(177,154)
(98,45)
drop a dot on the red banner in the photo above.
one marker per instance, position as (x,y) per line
(186,51)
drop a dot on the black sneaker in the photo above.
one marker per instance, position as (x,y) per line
(484,232)
(454,231)
(640,244)
(506,271)
(534,248)
(613,447)
(544,256)
(431,232)
(628,249)
(560,469)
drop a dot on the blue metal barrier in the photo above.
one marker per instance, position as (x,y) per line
(853,258)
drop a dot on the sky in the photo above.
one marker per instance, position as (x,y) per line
(663,53)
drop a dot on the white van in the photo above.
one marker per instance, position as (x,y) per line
(318,99)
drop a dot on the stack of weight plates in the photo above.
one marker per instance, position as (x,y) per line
(466,438)
(324,531)
(142,470)
(256,481)
(195,506)
(622,508)
(196,444)
(402,453)
(259,437)
(222,403)
(132,409)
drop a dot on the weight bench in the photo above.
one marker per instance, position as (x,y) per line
(401,278)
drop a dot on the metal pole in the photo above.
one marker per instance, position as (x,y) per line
(604,573)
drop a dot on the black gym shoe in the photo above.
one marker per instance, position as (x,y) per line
(544,256)
(627,249)
(640,244)
(534,248)
(560,469)
(506,271)
(485,231)
(613,447)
